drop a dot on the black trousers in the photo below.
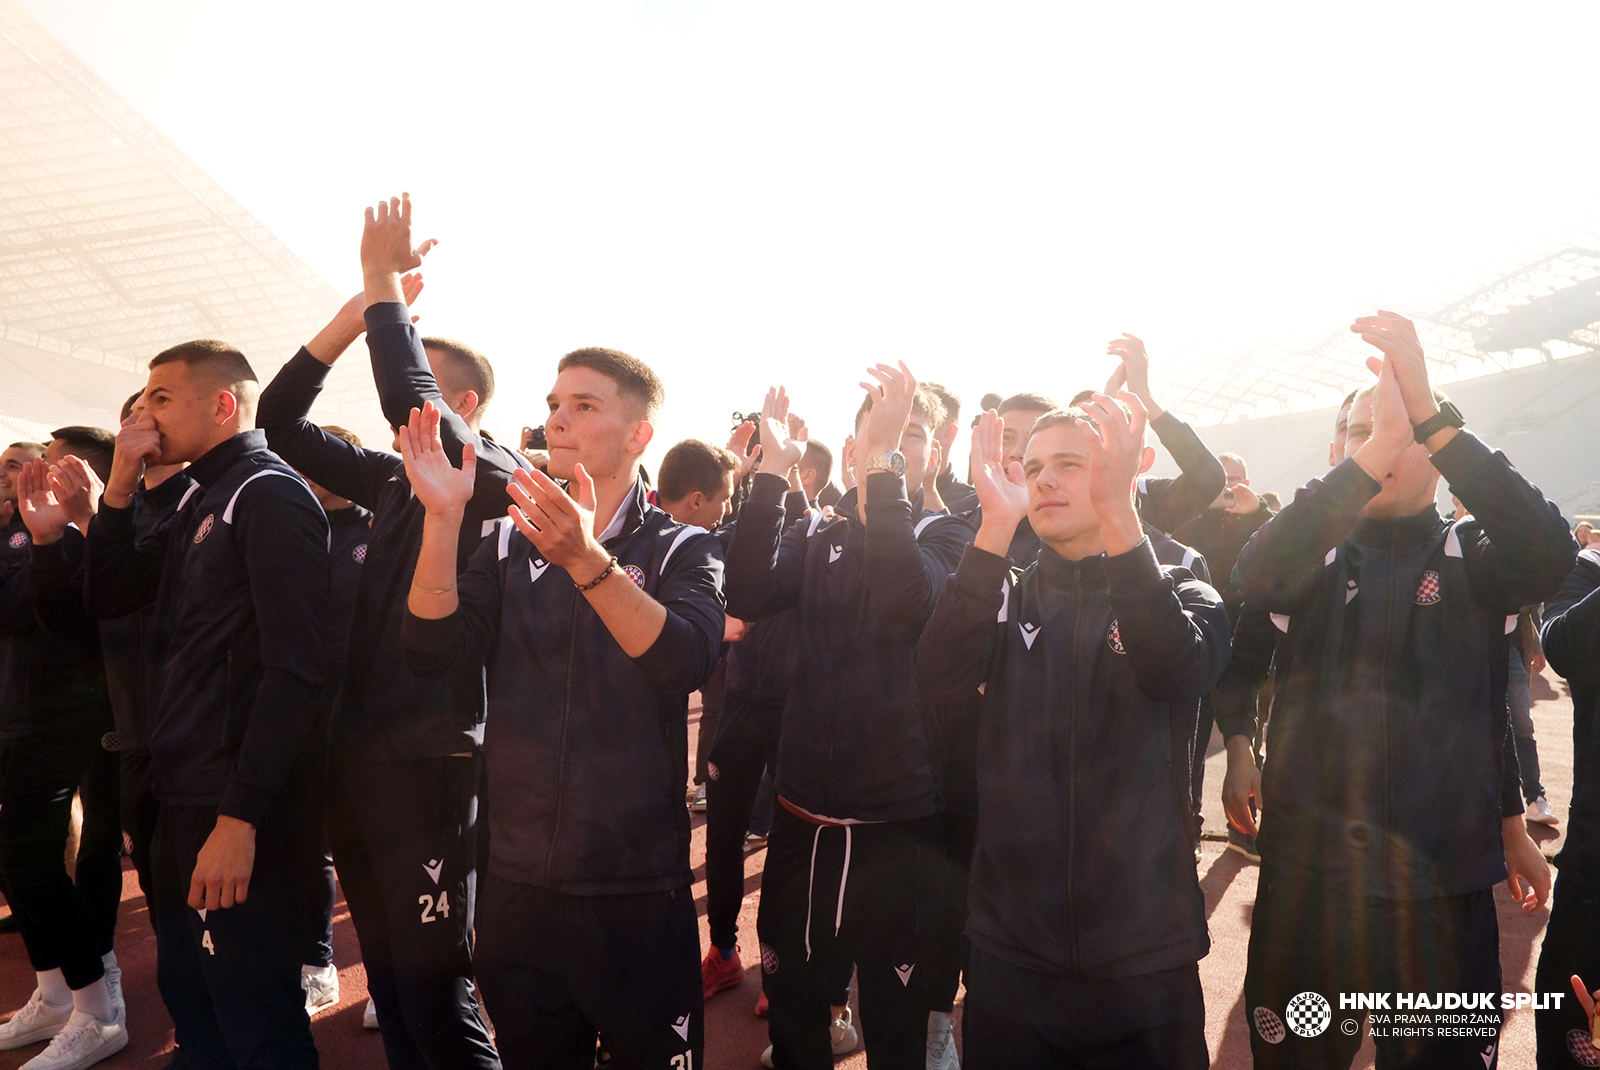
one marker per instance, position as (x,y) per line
(949,950)
(1571,946)
(38,777)
(1020,1019)
(229,978)
(99,870)
(746,744)
(139,812)
(405,840)
(561,971)
(1313,933)
(834,895)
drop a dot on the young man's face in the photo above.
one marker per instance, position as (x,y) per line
(1018,422)
(1341,429)
(11,462)
(702,511)
(591,422)
(1056,465)
(1409,488)
(186,410)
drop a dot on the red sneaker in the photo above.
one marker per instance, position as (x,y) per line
(761,1006)
(717,973)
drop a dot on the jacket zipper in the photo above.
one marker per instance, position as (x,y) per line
(1383,704)
(561,753)
(1072,765)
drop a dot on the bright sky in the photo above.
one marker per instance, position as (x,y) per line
(744,193)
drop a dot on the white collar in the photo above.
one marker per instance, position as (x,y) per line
(614,528)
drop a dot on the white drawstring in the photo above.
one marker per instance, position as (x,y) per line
(838,914)
(810,881)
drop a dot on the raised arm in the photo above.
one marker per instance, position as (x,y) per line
(123,574)
(957,646)
(764,564)
(1167,504)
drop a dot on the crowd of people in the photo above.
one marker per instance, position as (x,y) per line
(967,718)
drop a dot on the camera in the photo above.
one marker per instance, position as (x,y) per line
(534,438)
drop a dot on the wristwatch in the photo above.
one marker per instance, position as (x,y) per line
(1447,416)
(894,461)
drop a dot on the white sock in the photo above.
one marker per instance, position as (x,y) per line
(109,960)
(53,988)
(95,999)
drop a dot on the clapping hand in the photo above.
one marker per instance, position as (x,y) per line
(41,512)
(739,446)
(78,489)
(1002,490)
(892,398)
(780,451)
(560,526)
(1133,372)
(1588,1002)
(1116,453)
(438,484)
(386,242)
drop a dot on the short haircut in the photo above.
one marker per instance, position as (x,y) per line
(221,365)
(820,457)
(951,403)
(925,406)
(990,401)
(36,447)
(95,445)
(338,432)
(1028,402)
(1058,418)
(635,381)
(692,466)
(466,367)
(1236,459)
(127,406)
(1081,396)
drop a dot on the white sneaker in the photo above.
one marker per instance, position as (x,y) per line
(843,1034)
(322,987)
(369,1017)
(698,803)
(941,1043)
(114,989)
(36,1021)
(1539,813)
(85,1041)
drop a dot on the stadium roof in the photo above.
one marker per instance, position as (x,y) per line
(1515,307)
(114,246)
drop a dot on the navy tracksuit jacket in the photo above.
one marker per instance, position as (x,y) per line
(1387,760)
(1091,673)
(586,747)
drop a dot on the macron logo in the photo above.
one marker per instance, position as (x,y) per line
(536,568)
(1029,633)
(681,1027)
(202,913)
(834,553)
(1488,1054)
(434,868)
(904,973)
(1350,590)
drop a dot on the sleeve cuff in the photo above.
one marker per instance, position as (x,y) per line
(308,368)
(1458,457)
(388,314)
(431,635)
(769,489)
(885,490)
(112,520)
(51,556)
(1167,424)
(1134,572)
(246,803)
(982,571)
